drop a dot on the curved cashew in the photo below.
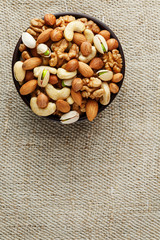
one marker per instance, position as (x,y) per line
(76,26)
(63,74)
(56,94)
(37,70)
(51,108)
(89,35)
(105,99)
(89,57)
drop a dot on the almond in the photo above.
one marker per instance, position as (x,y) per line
(79,38)
(91,109)
(77,97)
(85,70)
(44,36)
(62,106)
(77,84)
(72,65)
(28,87)
(117,77)
(96,63)
(86,48)
(112,44)
(29,76)
(50,19)
(113,88)
(106,34)
(42,100)
(53,79)
(56,35)
(31,63)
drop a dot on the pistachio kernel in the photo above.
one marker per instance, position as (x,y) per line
(103,47)
(46,53)
(44,73)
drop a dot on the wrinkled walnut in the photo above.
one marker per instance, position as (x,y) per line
(53,60)
(37,26)
(86,88)
(90,25)
(83,105)
(93,26)
(92,82)
(63,21)
(37,22)
(74,51)
(113,61)
(60,48)
(91,88)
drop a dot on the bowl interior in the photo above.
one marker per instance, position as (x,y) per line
(17,54)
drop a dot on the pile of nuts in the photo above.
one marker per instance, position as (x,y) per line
(68,66)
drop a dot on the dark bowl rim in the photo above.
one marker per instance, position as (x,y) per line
(103,26)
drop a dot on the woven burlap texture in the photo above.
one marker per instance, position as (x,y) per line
(87,181)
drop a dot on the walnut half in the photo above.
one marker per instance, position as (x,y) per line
(113,61)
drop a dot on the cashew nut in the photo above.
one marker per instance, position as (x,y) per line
(56,94)
(51,108)
(37,70)
(19,73)
(70,100)
(89,57)
(63,74)
(89,35)
(75,26)
(105,99)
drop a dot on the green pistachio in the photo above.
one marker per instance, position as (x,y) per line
(63,84)
(46,53)
(101,73)
(44,74)
(103,47)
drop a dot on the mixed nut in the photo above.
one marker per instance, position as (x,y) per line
(68,66)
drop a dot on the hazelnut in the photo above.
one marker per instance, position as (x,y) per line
(53,79)
(72,65)
(42,100)
(106,34)
(96,63)
(113,88)
(56,35)
(117,77)
(86,48)
(50,19)
(29,75)
(77,84)
(112,44)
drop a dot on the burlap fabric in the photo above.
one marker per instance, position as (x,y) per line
(87,181)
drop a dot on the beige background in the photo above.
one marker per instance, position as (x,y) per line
(87,181)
